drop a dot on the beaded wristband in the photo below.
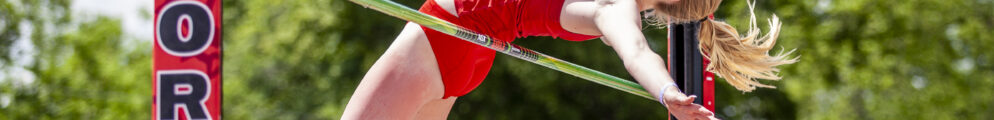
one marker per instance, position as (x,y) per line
(662,92)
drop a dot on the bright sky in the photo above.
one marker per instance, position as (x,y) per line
(129,11)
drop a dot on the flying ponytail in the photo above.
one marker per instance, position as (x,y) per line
(739,59)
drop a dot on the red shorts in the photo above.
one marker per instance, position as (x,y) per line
(464,65)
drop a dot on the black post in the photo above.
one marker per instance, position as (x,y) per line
(685,60)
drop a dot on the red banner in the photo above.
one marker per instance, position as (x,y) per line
(186,75)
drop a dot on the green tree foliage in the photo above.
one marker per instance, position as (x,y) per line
(867,59)
(82,70)
(9,17)
(298,59)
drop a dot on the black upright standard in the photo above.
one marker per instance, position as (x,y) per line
(686,64)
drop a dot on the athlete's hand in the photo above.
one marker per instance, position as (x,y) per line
(683,107)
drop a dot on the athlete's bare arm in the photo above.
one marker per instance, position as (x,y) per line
(620,24)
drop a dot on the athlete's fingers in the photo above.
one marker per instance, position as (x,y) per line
(700,117)
(686,112)
(692,112)
(704,111)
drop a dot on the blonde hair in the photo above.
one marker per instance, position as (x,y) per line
(739,59)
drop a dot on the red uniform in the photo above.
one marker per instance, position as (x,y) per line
(464,65)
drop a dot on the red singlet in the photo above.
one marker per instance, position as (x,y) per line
(462,64)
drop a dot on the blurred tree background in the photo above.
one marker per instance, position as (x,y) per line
(302,59)
(60,65)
